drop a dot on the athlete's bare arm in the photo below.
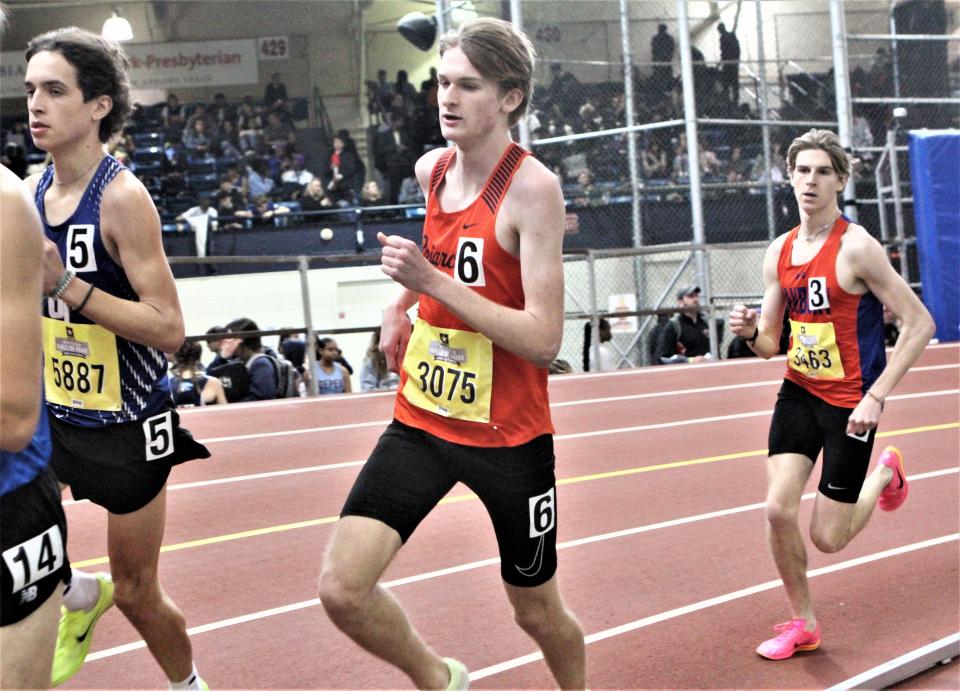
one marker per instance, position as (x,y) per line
(534,210)
(745,321)
(21,251)
(130,228)
(863,261)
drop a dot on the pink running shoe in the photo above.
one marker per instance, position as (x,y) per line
(790,639)
(895,493)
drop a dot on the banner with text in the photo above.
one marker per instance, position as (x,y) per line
(164,65)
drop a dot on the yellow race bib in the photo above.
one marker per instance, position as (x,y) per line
(80,366)
(814,352)
(449,372)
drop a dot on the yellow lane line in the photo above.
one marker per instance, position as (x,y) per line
(470,496)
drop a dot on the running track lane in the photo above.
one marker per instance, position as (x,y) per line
(608,583)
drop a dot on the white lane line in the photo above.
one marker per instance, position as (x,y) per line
(713,602)
(892,671)
(677,423)
(469,566)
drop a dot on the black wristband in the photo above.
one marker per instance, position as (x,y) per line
(83,303)
(753,339)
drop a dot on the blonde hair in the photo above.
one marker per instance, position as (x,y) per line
(822,140)
(499,52)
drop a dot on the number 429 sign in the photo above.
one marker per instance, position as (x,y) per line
(273,48)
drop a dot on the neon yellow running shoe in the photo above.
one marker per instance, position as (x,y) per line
(459,676)
(76,633)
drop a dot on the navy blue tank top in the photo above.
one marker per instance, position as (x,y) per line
(92,376)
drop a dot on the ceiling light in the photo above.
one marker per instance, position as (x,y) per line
(117,28)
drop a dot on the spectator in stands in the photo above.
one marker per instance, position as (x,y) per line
(428,87)
(213,344)
(374,375)
(236,179)
(410,192)
(371,195)
(403,87)
(189,384)
(279,135)
(730,63)
(249,127)
(345,172)
(685,337)
(662,46)
(608,359)
(710,164)
(564,90)
(263,376)
(200,113)
(226,144)
(681,161)
(197,141)
(655,164)
(294,177)
(275,92)
(202,208)
(293,348)
(778,164)
(738,168)
(259,182)
(15,159)
(314,198)
(264,211)
(174,117)
(586,192)
(392,155)
(230,200)
(331,377)
(221,111)
(173,170)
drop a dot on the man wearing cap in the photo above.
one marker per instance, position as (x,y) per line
(686,337)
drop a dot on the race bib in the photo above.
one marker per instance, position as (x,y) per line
(813,350)
(449,372)
(80,366)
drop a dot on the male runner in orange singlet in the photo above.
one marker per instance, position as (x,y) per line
(472,403)
(834,279)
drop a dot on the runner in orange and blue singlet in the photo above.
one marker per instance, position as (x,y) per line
(832,279)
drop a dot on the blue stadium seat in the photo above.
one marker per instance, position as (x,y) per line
(141,139)
(204,182)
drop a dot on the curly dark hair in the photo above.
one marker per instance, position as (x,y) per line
(101,67)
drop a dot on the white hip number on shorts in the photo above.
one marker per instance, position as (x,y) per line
(543,513)
(35,559)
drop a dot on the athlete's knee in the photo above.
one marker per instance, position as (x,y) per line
(538,616)
(781,514)
(341,595)
(828,540)
(136,593)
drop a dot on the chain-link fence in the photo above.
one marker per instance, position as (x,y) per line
(625,86)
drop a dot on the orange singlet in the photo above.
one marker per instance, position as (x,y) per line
(836,338)
(455,383)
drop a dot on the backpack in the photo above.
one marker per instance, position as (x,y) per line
(288,379)
(234,377)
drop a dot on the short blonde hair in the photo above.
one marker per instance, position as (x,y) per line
(822,140)
(500,53)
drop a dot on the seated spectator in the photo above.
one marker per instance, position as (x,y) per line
(374,375)
(738,168)
(778,165)
(189,384)
(314,198)
(264,212)
(278,134)
(197,141)
(249,128)
(586,193)
(200,113)
(710,164)
(275,92)
(346,171)
(172,172)
(262,383)
(227,143)
(685,337)
(202,209)
(237,180)
(410,192)
(174,115)
(331,377)
(259,182)
(294,173)
(371,196)
(655,164)
(230,201)
(221,111)
(608,358)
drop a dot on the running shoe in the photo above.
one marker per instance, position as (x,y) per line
(459,677)
(76,633)
(791,638)
(895,493)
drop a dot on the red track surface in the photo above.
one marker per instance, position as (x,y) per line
(698,447)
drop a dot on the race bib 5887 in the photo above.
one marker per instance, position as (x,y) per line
(80,366)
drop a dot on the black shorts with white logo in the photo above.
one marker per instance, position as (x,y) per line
(805,424)
(410,471)
(34,545)
(121,467)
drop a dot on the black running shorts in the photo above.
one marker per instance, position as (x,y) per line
(34,544)
(121,467)
(410,471)
(805,424)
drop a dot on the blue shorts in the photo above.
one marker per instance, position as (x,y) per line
(411,470)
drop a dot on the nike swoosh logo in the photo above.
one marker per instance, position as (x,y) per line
(82,637)
(469,225)
(831,486)
(537,563)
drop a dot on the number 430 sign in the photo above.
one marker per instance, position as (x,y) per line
(273,48)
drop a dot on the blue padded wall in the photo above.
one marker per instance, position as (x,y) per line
(935,173)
